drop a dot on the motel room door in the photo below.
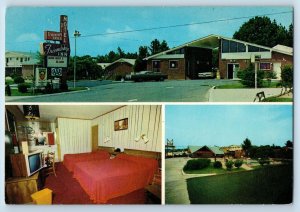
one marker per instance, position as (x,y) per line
(94,138)
(232,69)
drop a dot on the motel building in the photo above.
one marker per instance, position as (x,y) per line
(193,60)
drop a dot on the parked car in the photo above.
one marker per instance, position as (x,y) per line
(148,76)
(208,74)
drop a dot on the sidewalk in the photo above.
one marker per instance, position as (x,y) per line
(240,95)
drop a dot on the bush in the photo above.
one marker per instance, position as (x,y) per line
(247,76)
(238,163)
(119,77)
(23,88)
(287,76)
(229,164)
(63,86)
(197,164)
(19,80)
(217,164)
(48,88)
(263,161)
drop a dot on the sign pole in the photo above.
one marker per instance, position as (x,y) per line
(255,75)
(76,34)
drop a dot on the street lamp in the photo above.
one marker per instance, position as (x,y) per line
(76,34)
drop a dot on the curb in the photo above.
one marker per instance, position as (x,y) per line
(210,93)
(45,95)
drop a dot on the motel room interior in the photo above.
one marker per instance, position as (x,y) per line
(83,154)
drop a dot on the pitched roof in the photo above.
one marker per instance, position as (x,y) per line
(123,60)
(21,54)
(211,42)
(283,48)
(194,148)
(216,150)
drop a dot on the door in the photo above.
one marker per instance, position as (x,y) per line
(232,70)
(94,138)
(277,70)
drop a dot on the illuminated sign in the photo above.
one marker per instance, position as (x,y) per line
(49,35)
(57,61)
(56,72)
(53,49)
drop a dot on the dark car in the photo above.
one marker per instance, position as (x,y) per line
(148,76)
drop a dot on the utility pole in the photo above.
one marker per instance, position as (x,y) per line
(76,34)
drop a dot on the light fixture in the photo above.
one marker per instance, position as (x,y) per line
(143,137)
(31,112)
(107,139)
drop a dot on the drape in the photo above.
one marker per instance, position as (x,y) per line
(75,136)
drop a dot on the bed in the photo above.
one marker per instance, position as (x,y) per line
(103,180)
(71,159)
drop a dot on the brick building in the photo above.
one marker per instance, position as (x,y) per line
(188,60)
(119,69)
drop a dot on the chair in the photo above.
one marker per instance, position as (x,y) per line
(50,163)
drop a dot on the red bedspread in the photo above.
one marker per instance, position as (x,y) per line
(71,159)
(107,179)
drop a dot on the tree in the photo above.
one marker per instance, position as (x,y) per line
(238,163)
(121,53)
(263,31)
(246,145)
(156,47)
(141,64)
(247,76)
(40,58)
(287,77)
(289,143)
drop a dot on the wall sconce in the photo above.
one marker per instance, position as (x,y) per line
(143,137)
(107,139)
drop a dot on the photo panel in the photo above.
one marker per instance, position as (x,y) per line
(73,154)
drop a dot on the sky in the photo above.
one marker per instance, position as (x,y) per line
(224,125)
(25,26)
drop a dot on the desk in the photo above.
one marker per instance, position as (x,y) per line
(19,189)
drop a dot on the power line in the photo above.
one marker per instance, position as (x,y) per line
(181,25)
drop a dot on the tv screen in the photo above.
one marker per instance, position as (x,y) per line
(34,162)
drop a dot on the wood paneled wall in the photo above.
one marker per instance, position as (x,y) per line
(142,119)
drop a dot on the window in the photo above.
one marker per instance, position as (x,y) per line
(21,59)
(233,46)
(263,50)
(173,64)
(225,46)
(6,60)
(17,58)
(241,47)
(265,66)
(253,49)
(156,65)
(28,58)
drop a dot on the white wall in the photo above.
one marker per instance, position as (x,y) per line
(142,119)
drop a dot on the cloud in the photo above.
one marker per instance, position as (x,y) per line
(28,37)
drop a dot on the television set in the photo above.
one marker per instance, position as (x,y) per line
(34,162)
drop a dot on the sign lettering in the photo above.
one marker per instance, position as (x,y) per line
(49,35)
(56,72)
(57,61)
(52,49)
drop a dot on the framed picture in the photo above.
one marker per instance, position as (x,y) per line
(121,124)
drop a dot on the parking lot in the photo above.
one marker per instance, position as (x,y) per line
(166,91)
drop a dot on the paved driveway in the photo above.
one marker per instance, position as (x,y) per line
(168,91)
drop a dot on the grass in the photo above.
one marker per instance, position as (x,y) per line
(267,185)
(278,99)
(211,170)
(15,92)
(239,85)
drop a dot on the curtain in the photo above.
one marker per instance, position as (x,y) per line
(75,136)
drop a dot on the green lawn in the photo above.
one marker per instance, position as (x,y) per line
(211,170)
(15,92)
(277,99)
(267,185)
(238,85)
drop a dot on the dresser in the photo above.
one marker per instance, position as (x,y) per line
(19,189)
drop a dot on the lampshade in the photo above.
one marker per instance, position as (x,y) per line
(31,112)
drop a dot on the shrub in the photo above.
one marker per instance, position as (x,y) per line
(19,80)
(247,76)
(119,77)
(63,86)
(217,164)
(8,90)
(197,164)
(229,164)
(287,76)
(48,88)
(263,161)
(22,88)
(238,163)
